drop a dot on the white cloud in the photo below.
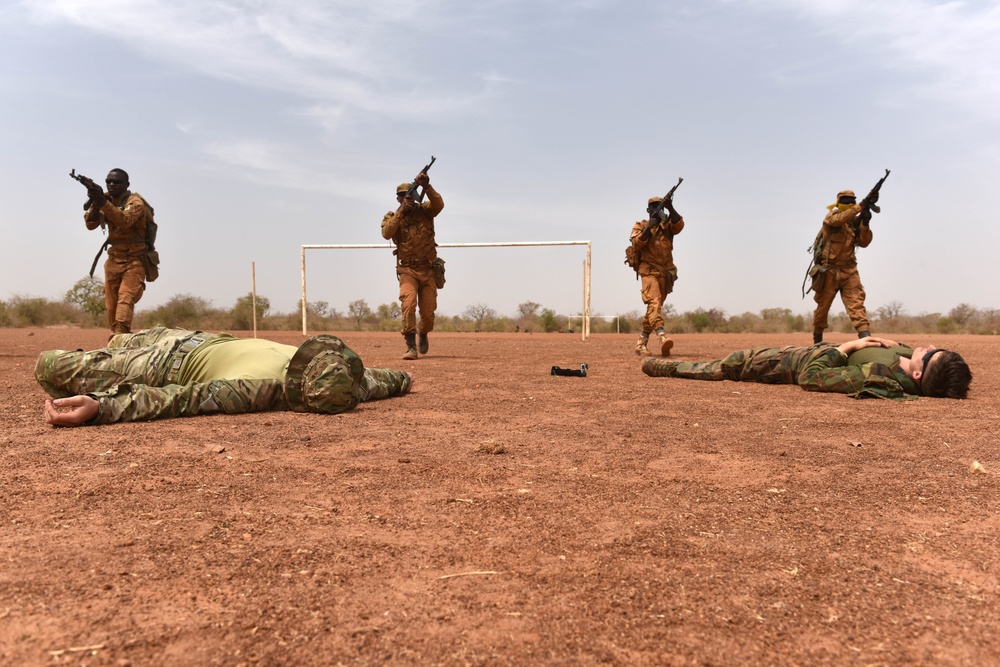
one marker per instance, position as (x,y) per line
(953,43)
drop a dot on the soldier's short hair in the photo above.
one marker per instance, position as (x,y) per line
(122,172)
(948,377)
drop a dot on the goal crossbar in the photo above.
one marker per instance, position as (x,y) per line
(585,329)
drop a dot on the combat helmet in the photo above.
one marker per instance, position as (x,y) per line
(324,375)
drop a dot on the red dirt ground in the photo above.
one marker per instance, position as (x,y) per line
(499,515)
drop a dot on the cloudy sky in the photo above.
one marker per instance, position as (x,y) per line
(256,126)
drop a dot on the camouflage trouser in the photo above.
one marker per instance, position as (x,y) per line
(767,365)
(124,283)
(655,289)
(142,358)
(417,286)
(847,281)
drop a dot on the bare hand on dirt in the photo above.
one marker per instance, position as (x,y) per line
(72,411)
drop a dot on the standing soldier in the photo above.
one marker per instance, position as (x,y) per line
(652,257)
(845,227)
(124,215)
(411,229)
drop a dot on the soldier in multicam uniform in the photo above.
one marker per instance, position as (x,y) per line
(866,367)
(124,214)
(654,247)
(411,229)
(844,229)
(162,372)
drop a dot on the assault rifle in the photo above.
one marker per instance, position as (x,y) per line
(87,183)
(412,192)
(869,204)
(656,217)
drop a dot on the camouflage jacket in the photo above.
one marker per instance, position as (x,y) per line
(125,220)
(656,255)
(874,374)
(842,232)
(413,232)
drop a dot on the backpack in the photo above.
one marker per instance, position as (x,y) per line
(150,260)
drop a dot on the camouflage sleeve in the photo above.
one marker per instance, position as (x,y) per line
(434,203)
(123,220)
(676,224)
(382,383)
(829,372)
(864,236)
(92,217)
(390,225)
(837,218)
(137,402)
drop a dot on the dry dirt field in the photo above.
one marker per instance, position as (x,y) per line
(500,515)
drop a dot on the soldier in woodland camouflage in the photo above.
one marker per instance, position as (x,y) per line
(411,229)
(162,372)
(866,367)
(653,244)
(124,214)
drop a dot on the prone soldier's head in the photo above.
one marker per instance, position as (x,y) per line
(324,376)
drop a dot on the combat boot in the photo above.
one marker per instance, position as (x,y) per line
(424,345)
(411,346)
(817,337)
(659,368)
(640,347)
(864,334)
(666,344)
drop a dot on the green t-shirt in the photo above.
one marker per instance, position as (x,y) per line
(227,358)
(887,357)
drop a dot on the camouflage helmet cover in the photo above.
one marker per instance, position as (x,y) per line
(324,375)
(403,188)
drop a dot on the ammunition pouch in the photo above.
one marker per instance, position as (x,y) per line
(151,263)
(438,267)
(818,276)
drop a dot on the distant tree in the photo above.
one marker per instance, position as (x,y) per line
(389,311)
(480,314)
(528,309)
(890,311)
(242,312)
(962,314)
(549,321)
(88,294)
(359,311)
(182,311)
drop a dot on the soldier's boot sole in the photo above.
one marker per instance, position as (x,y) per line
(666,344)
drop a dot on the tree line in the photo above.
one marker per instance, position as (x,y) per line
(83,305)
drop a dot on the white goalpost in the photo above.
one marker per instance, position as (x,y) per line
(584,328)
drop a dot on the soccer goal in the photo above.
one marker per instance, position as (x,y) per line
(584,328)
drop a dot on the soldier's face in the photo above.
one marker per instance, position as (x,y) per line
(116,183)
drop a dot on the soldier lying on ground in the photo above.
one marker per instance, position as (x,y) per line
(874,367)
(176,373)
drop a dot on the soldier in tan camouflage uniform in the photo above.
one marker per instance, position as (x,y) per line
(124,215)
(866,367)
(653,244)
(161,372)
(411,229)
(836,270)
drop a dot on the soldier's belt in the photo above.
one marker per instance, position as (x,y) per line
(408,263)
(178,357)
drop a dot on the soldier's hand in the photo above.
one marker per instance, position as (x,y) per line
(407,203)
(96,194)
(72,411)
(422,179)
